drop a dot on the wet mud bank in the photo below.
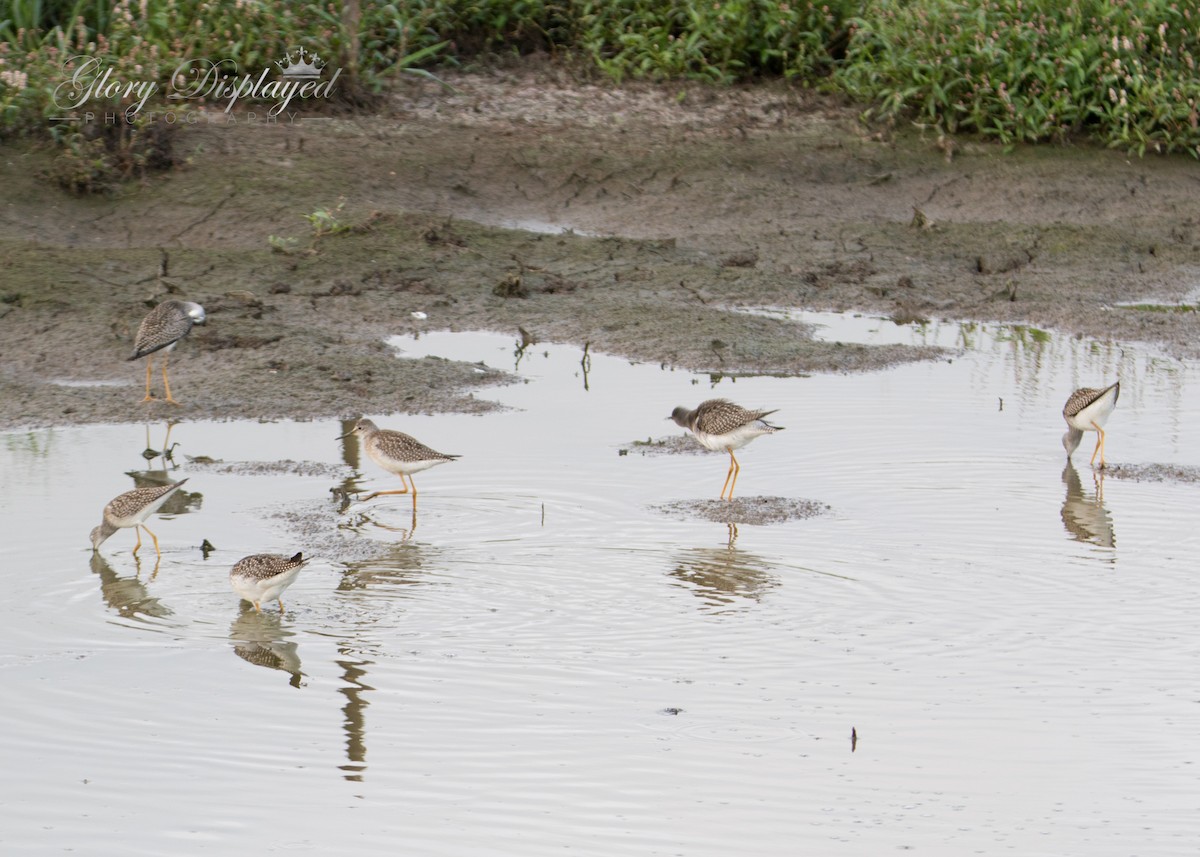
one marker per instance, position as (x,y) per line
(647,218)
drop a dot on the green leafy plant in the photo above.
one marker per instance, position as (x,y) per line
(1034,70)
(1018,71)
(324,221)
(287,246)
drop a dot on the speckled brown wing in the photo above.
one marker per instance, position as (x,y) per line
(128,506)
(165,325)
(720,416)
(1083,397)
(400,447)
(264,566)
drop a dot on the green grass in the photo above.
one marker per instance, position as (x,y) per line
(1019,71)
(1120,71)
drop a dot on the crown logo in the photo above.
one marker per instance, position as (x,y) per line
(301,67)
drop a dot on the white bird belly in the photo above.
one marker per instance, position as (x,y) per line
(1095,414)
(735,439)
(257,591)
(407,467)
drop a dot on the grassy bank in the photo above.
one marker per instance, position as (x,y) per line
(1119,72)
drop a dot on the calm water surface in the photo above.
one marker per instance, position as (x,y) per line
(547,664)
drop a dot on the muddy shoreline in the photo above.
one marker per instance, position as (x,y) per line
(629,219)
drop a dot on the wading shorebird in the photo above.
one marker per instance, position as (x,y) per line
(718,425)
(131,509)
(397,452)
(1088,410)
(160,330)
(264,576)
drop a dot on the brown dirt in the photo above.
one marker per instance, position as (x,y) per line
(1153,472)
(683,201)
(746,510)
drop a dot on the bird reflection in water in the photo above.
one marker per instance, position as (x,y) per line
(355,689)
(127,596)
(179,503)
(1083,513)
(725,576)
(527,339)
(262,639)
(391,572)
(359,521)
(398,565)
(167,453)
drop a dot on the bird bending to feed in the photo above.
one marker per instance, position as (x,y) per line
(160,330)
(264,576)
(1088,410)
(721,425)
(131,509)
(397,453)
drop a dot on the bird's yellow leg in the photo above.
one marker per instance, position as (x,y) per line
(735,469)
(280,605)
(257,609)
(1099,445)
(149,365)
(156,550)
(728,473)
(138,531)
(375,494)
(166,383)
(413,483)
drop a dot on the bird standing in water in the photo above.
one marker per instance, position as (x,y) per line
(399,453)
(718,425)
(132,509)
(1087,410)
(264,576)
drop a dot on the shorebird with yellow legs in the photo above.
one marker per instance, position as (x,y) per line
(160,330)
(719,425)
(397,452)
(264,577)
(1088,409)
(131,509)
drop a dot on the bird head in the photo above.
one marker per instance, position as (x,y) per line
(680,416)
(195,312)
(363,426)
(1071,439)
(98,535)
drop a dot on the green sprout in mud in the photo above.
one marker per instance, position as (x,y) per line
(282,245)
(325,222)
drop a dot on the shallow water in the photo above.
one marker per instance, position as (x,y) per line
(547,663)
